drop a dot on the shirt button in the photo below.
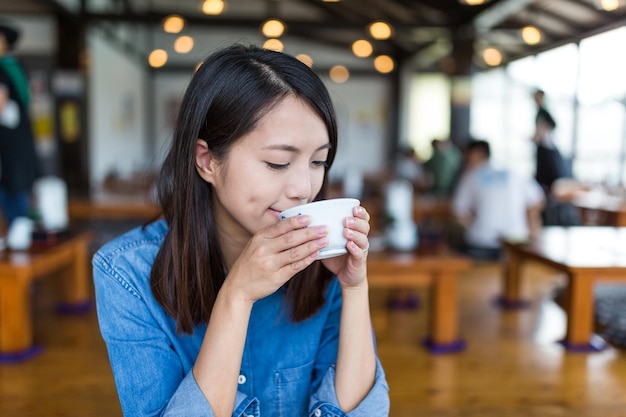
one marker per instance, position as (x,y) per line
(318,412)
(241,379)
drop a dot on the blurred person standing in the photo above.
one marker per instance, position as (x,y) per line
(550,166)
(442,168)
(18,158)
(492,204)
(549,163)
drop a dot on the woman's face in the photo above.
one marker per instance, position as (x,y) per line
(280,164)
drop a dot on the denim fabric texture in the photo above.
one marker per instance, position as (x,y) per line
(287,368)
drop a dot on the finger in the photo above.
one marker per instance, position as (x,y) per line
(359,239)
(361,213)
(360,251)
(304,254)
(357,225)
(292,268)
(294,241)
(286,225)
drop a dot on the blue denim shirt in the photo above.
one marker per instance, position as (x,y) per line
(287,368)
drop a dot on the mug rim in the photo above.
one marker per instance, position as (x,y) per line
(324,202)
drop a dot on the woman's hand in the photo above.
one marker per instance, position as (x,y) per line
(274,255)
(351,269)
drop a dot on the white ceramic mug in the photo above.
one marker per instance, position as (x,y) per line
(329,213)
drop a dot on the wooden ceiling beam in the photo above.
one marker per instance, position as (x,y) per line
(598,13)
(498,13)
(208,21)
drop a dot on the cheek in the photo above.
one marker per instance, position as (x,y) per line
(318,180)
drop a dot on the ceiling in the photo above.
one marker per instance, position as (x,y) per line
(433,34)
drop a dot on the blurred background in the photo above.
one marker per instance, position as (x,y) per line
(107,76)
(413,81)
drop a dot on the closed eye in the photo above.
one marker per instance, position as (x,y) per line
(321,164)
(277,167)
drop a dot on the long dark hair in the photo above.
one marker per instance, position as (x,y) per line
(227,96)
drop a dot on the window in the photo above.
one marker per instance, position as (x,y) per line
(599,149)
(585,92)
(428,112)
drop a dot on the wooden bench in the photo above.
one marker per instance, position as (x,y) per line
(439,273)
(18,270)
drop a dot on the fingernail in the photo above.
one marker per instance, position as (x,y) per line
(303,219)
(350,221)
(321,230)
(322,242)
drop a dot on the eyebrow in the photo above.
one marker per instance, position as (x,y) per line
(290,148)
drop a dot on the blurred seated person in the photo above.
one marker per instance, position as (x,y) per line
(443,167)
(409,167)
(492,204)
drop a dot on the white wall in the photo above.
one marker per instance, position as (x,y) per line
(362,105)
(362,109)
(117,111)
(37,33)
(168,91)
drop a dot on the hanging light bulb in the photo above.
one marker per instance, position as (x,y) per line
(384,64)
(492,56)
(339,74)
(609,5)
(173,24)
(362,48)
(380,30)
(273,45)
(305,59)
(213,7)
(273,28)
(157,58)
(531,35)
(183,44)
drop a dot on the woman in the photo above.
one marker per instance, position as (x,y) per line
(220,308)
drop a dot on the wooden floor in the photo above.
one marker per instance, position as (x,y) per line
(512,367)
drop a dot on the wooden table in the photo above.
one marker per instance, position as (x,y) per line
(439,272)
(586,254)
(18,269)
(600,209)
(112,206)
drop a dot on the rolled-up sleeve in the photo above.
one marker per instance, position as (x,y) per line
(189,401)
(324,402)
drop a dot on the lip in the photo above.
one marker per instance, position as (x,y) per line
(274,212)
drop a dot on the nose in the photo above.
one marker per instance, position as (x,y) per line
(299,186)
